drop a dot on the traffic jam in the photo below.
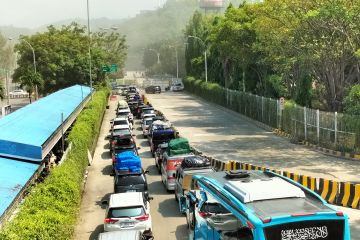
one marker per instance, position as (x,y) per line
(232,204)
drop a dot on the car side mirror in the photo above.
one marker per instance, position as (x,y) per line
(150,199)
(108,136)
(146,172)
(133,135)
(138,148)
(105,202)
(112,174)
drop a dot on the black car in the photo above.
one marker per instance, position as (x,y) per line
(130,182)
(153,89)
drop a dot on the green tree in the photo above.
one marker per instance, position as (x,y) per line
(62,58)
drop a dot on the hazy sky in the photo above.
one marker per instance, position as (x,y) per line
(35,13)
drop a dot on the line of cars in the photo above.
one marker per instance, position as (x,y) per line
(238,204)
(127,213)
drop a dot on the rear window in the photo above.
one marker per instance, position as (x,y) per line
(121,132)
(214,208)
(126,212)
(130,180)
(148,122)
(124,141)
(120,122)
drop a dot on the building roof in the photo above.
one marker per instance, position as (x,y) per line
(13,177)
(24,133)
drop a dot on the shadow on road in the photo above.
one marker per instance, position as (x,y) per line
(144,144)
(106,155)
(95,234)
(105,197)
(157,188)
(182,232)
(107,170)
(169,208)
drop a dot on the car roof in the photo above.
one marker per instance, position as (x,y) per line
(126,199)
(128,234)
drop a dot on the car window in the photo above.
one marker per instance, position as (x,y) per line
(120,122)
(130,180)
(126,212)
(121,132)
(148,122)
(215,208)
(123,141)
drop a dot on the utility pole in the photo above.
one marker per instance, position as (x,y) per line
(89,38)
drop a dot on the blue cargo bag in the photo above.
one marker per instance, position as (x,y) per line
(128,160)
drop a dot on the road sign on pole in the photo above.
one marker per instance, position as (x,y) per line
(105,68)
(113,68)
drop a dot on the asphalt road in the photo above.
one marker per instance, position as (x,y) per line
(226,135)
(167,222)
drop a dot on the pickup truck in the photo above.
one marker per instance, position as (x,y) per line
(177,150)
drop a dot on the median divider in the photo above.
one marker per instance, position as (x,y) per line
(344,194)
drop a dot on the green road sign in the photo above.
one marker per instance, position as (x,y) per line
(105,68)
(113,68)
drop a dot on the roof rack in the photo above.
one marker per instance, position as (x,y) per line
(237,174)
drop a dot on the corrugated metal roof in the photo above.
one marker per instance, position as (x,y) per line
(24,132)
(13,177)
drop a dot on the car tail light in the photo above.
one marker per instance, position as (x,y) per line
(114,142)
(266,220)
(143,217)
(250,225)
(110,220)
(113,159)
(340,214)
(204,214)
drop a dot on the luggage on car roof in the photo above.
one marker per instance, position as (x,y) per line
(178,146)
(128,161)
(195,162)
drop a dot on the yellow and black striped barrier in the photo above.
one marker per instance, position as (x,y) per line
(349,195)
(308,182)
(328,190)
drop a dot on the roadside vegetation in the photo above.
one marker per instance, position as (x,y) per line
(50,210)
(307,51)
(62,57)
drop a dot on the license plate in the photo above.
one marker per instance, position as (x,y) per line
(126,224)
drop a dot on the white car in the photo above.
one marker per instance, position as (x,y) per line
(177,87)
(145,125)
(128,211)
(122,121)
(125,112)
(18,93)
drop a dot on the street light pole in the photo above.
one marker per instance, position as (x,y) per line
(89,38)
(205,55)
(177,61)
(34,62)
(157,53)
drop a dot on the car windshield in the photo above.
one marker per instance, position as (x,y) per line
(130,180)
(149,111)
(120,122)
(126,212)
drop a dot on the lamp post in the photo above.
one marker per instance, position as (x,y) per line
(89,38)
(203,43)
(177,61)
(157,53)
(34,62)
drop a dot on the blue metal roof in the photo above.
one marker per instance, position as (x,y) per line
(24,132)
(13,177)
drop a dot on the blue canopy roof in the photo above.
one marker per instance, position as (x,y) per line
(24,132)
(13,177)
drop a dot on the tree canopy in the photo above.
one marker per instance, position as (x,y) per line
(304,50)
(62,58)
